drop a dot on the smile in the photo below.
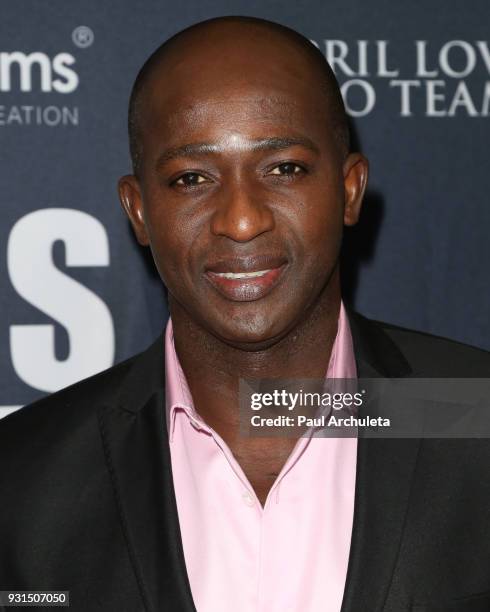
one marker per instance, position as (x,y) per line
(246,286)
(242,274)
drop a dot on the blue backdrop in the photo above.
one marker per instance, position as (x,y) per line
(76,292)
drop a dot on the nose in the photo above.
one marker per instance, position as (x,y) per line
(242,215)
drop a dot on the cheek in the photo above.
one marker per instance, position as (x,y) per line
(174,237)
(165,242)
(320,226)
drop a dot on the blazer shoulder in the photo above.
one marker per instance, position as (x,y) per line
(435,356)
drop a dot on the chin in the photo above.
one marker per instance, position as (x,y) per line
(251,332)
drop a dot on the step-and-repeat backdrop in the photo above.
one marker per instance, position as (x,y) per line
(76,292)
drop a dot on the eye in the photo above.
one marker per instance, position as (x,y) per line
(189,179)
(287,169)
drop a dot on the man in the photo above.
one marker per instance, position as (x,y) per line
(133,489)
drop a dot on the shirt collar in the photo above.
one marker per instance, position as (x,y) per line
(342,364)
(177,392)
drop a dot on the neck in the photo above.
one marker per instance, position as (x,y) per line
(213,368)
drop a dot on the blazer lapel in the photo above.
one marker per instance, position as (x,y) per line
(385,469)
(135,440)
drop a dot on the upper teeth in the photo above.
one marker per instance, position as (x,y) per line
(242,274)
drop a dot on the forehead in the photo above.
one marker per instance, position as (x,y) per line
(250,88)
(256,112)
(233,109)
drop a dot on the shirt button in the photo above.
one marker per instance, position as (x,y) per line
(248,499)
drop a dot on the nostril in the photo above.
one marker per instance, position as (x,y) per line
(242,220)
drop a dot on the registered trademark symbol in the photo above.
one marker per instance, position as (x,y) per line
(82,36)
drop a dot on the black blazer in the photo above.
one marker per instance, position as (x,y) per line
(88,505)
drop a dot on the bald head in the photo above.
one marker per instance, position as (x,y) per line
(226,44)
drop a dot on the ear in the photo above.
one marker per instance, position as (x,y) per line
(132,203)
(355,169)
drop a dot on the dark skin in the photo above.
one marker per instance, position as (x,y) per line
(237,200)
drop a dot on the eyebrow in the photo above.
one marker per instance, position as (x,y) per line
(262,144)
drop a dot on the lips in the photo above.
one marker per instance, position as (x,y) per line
(246,279)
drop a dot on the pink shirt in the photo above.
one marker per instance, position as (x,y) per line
(292,554)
